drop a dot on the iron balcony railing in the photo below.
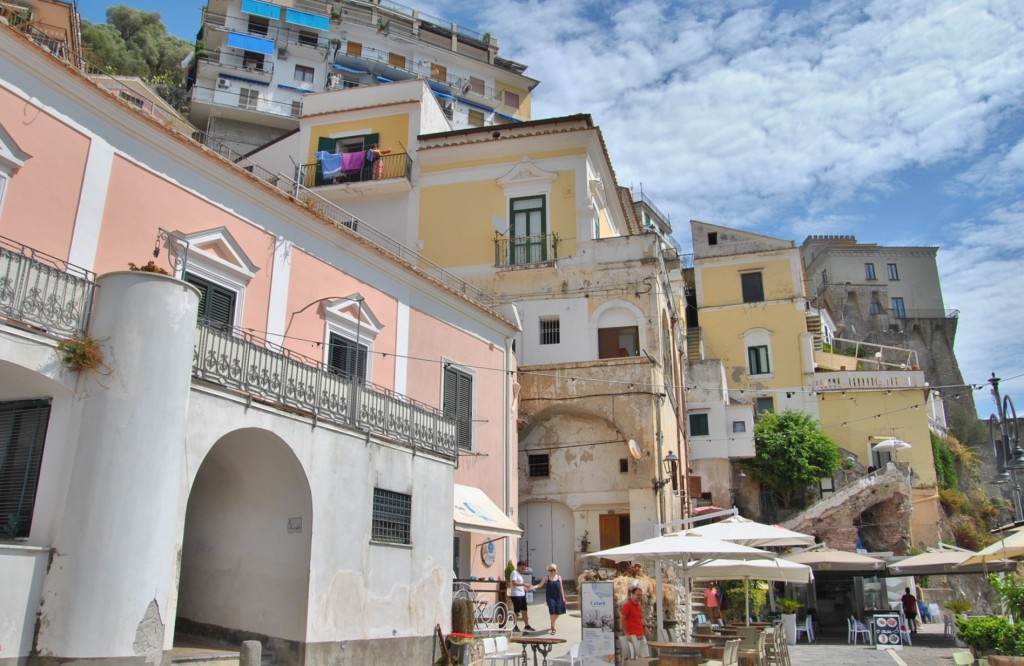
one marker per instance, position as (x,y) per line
(251,65)
(239,360)
(525,250)
(44,291)
(395,165)
(282,35)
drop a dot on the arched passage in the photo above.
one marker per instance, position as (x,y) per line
(246,548)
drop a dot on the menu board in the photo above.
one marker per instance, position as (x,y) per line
(886,627)
(597,611)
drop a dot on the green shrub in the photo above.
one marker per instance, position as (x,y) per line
(983,634)
(945,464)
(954,501)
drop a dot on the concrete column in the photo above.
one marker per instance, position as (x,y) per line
(114,573)
(251,654)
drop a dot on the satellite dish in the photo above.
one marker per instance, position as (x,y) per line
(499,224)
(634,450)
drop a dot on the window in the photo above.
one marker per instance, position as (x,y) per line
(869,271)
(511,99)
(739,426)
(764,405)
(538,465)
(308,38)
(396,60)
(618,342)
(438,72)
(22,434)
(476,118)
(757,360)
(259,25)
(253,61)
(303,74)
(216,303)
(458,404)
(528,241)
(392,516)
(699,425)
(296,108)
(354,49)
(876,307)
(898,308)
(894,273)
(550,332)
(248,98)
(475,85)
(824,276)
(753,288)
(623,465)
(137,102)
(346,357)
(712,238)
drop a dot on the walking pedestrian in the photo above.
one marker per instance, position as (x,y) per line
(554,594)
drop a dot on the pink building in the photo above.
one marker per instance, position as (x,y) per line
(274,440)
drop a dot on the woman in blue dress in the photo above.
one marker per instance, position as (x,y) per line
(554,593)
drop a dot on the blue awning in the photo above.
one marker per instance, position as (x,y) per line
(296,89)
(350,69)
(315,21)
(261,9)
(243,79)
(250,43)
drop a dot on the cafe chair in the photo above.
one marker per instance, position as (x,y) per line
(501,654)
(570,658)
(963,658)
(757,653)
(730,655)
(905,633)
(858,629)
(776,650)
(806,630)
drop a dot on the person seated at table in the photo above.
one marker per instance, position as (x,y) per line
(633,622)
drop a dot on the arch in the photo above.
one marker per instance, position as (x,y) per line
(246,548)
(548,534)
(617,314)
(757,343)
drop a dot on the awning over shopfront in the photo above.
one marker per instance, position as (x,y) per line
(475,512)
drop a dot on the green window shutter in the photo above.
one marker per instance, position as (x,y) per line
(346,358)
(216,304)
(22,434)
(458,404)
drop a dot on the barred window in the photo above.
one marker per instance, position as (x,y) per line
(539,465)
(550,330)
(392,516)
(22,433)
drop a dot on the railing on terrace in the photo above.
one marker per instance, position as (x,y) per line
(278,33)
(867,381)
(241,63)
(866,356)
(395,165)
(937,313)
(43,290)
(686,260)
(292,109)
(525,250)
(241,361)
(440,22)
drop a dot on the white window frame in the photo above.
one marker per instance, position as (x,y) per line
(233,273)
(339,320)
(758,337)
(12,158)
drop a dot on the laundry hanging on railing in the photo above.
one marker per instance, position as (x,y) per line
(353,161)
(330,163)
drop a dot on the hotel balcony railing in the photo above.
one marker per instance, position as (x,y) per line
(241,361)
(525,250)
(281,35)
(240,63)
(395,165)
(233,99)
(44,291)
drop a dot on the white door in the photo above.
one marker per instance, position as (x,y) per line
(548,536)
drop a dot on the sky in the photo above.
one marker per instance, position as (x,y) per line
(900,122)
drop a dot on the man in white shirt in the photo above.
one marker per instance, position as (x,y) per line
(517,595)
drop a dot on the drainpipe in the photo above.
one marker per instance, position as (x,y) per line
(506,389)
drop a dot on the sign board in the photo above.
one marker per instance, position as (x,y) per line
(597,612)
(886,627)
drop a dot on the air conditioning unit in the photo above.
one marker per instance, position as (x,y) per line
(223,84)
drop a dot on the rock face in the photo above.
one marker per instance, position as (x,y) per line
(876,507)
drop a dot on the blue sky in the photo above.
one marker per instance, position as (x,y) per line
(898,121)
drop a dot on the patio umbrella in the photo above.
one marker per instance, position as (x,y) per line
(1011,546)
(946,562)
(684,550)
(777,569)
(892,445)
(841,561)
(738,529)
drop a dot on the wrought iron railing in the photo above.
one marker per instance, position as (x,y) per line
(396,165)
(239,360)
(43,290)
(525,250)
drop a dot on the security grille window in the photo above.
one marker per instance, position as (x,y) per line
(22,433)
(216,304)
(346,358)
(753,287)
(550,332)
(699,425)
(894,273)
(538,465)
(618,342)
(248,98)
(869,271)
(739,426)
(458,404)
(392,516)
(757,358)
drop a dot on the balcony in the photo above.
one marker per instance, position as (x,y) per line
(237,102)
(525,251)
(283,35)
(43,291)
(855,355)
(394,166)
(260,69)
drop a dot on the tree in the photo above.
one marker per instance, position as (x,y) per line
(135,43)
(792,453)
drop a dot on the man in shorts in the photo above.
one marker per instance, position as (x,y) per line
(517,595)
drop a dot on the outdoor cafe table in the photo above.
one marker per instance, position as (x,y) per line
(541,645)
(680,654)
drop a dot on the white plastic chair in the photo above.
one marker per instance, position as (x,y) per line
(806,630)
(501,655)
(963,658)
(570,658)
(857,629)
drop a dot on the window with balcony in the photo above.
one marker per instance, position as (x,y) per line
(458,404)
(752,286)
(253,61)
(396,60)
(392,517)
(538,465)
(699,425)
(618,342)
(475,85)
(511,99)
(259,25)
(550,330)
(354,49)
(248,99)
(438,72)
(308,38)
(869,272)
(894,273)
(216,303)
(22,435)
(758,360)
(347,358)
(303,74)
(351,330)
(898,308)
(528,243)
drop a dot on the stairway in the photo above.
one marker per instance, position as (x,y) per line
(694,344)
(814,328)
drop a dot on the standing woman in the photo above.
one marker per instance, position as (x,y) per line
(554,593)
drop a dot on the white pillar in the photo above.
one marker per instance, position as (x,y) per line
(113,577)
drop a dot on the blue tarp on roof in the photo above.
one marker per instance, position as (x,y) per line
(261,9)
(250,43)
(315,21)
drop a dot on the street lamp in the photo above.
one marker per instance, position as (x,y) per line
(1004,431)
(669,464)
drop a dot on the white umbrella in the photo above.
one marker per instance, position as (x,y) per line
(684,550)
(893,445)
(1011,546)
(738,529)
(777,569)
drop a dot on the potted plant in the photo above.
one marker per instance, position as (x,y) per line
(150,267)
(789,607)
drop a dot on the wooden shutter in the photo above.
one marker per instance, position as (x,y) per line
(22,434)
(346,358)
(216,303)
(458,404)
